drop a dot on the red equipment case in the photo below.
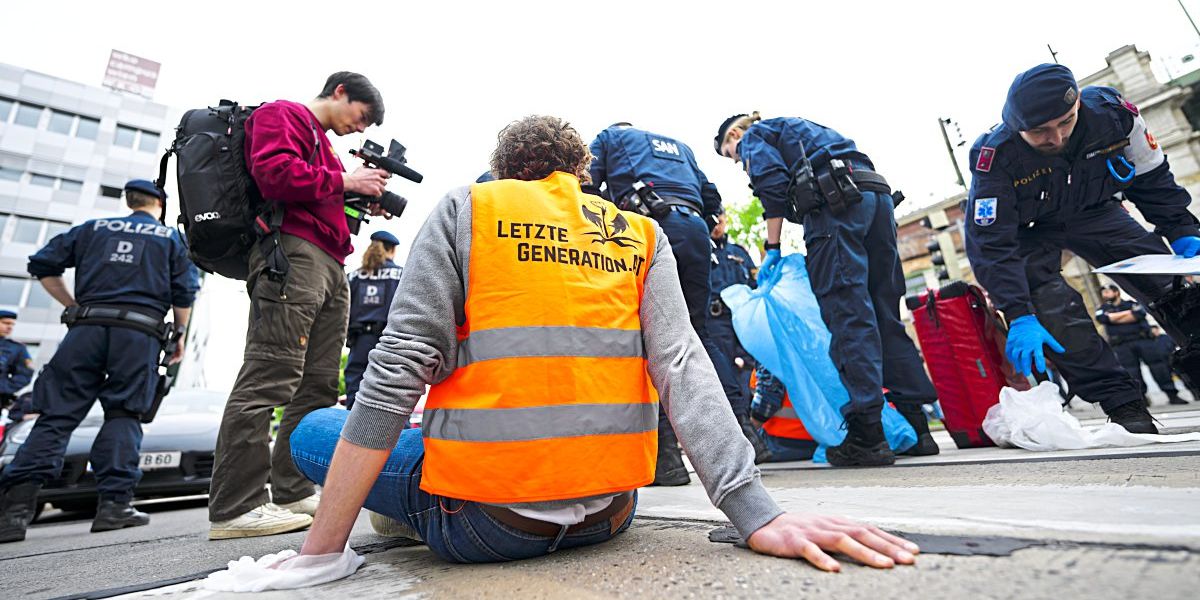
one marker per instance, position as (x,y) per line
(962,338)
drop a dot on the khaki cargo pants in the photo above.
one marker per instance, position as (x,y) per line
(293,348)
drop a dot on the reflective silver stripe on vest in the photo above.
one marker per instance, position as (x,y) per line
(524,342)
(538,422)
(787,412)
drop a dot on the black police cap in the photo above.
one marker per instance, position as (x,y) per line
(146,187)
(725,125)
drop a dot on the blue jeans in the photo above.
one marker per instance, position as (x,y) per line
(786,450)
(455,530)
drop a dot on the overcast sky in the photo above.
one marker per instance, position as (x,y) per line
(453,73)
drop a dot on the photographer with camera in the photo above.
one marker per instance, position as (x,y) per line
(297,320)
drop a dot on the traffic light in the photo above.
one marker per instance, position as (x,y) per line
(937,258)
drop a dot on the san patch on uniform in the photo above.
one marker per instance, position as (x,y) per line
(985,211)
(984,163)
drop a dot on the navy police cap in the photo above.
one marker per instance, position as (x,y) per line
(385,237)
(1039,95)
(725,125)
(7,314)
(146,187)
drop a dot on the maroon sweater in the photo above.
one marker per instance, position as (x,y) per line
(294,165)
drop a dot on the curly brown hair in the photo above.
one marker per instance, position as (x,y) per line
(536,146)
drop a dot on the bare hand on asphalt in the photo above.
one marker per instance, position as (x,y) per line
(797,535)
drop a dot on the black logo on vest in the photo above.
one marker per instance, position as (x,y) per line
(609,231)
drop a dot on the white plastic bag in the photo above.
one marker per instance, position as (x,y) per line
(283,571)
(1035,420)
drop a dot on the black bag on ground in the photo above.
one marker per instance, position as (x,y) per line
(219,202)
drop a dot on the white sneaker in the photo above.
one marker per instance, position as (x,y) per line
(306,506)
(267,519)
(389,527)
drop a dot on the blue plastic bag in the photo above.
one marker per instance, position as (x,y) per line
(780,325)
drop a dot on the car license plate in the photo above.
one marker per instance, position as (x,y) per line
(160,460)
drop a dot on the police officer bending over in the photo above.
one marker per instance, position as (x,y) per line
(371,289)
(16,367)
(1129,335)
(804,171)
(129,272)
(658,177)
(1044,180)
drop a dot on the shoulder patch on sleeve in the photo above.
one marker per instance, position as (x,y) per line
(986,155)
(985,211)
(1142,149)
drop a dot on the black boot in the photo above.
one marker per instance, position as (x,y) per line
(669,468)
(1134,417)
(17,507)
(915,416)
(116,514)
(864,445)
(1173,398)
(761,453)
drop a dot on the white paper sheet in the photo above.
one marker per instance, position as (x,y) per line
(1154,264)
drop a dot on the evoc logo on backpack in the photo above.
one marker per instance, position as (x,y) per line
(208,216)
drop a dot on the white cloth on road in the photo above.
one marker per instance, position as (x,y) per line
(283,571)
(1036,420)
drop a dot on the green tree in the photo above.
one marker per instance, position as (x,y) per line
(746,225)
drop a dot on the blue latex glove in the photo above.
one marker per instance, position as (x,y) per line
(1187,247)
(1026,336)
(769,263)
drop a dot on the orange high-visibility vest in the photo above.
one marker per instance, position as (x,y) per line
(785,423)
(550,398)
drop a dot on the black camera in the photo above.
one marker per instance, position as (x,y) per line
(394,162)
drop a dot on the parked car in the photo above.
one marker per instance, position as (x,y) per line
(177,451)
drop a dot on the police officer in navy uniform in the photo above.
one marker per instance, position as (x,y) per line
(1044,180)
(16,367)
(658,176)
(1164,347)
(853,264)
(372,287)
(1130,337)
(732,265)
(129,272)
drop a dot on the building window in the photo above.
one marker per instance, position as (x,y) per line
(9,174)
(39,297)
(28,115)
(28,231)
(54,228)
(125,136)
(88,128)
(109,191)
(41,180)
(5,108)
(11,289)
(3,224)
(70,185)
(149,142)
(61,122)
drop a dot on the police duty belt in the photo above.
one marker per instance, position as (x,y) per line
(116,317)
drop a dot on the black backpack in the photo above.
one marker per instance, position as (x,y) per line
(221,210)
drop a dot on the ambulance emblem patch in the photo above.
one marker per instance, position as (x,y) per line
(984,163)
(985,211)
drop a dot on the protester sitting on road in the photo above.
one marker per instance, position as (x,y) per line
(546,323)
(780,427)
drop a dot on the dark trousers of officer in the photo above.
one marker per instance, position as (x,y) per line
(855,271)
(1134,352)
(115,365)
(720,329)
(691,245)
(356,364)
(1099,236)
(293,349)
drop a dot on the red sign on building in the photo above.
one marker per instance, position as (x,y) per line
(130,73)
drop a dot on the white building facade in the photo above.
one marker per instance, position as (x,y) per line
(66,151)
